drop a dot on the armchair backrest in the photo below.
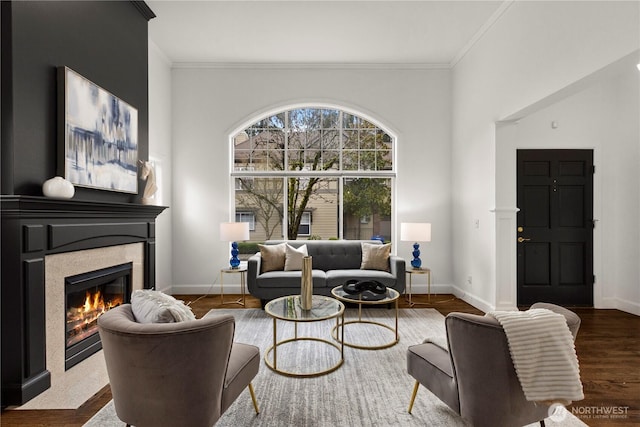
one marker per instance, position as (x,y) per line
(490,393)
(164,372)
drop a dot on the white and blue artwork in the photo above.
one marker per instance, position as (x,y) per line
(101,137)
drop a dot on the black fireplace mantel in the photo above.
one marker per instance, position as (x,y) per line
(32,228)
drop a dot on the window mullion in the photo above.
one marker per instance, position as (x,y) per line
(285,181)
(372,163)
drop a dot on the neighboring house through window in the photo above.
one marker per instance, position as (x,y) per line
(247,217)
(322,159)
(305,224)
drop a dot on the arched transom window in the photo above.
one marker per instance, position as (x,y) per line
(314,173)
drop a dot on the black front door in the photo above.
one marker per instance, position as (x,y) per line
(555,227)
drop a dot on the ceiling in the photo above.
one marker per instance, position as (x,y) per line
(318,32)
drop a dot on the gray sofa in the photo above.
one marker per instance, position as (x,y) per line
(334,262)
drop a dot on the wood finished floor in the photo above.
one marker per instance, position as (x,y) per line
(608,347)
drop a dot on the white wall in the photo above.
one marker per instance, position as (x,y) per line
(605,117)
(160,149)
(210,103)
(533,51)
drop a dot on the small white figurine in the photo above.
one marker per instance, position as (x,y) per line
(147,173)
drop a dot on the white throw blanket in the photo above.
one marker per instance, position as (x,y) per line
(543,354)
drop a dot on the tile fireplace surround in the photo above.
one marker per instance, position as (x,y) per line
(43,241)
(70,389)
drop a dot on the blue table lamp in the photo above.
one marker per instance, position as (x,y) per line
(415,232)
(232,232)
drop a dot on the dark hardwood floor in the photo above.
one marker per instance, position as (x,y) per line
(608,347)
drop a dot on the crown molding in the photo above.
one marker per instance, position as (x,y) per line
(495,16)
(144,9)
(309,65)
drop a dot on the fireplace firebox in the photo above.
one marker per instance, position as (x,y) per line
(87,296)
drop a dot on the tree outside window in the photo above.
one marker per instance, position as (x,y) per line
(334,163)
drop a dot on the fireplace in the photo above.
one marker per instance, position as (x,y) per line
(87,296)
(44,242)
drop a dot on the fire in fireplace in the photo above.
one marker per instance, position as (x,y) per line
(88,296)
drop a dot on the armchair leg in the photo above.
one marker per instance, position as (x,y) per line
(253,398)
(541,423)
(413,396)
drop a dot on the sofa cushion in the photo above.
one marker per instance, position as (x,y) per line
(149,306)
(290,279)
(375,257)
(293,257)
(273,257)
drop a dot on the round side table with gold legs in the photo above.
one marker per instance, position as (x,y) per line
(242,271)
(410,273)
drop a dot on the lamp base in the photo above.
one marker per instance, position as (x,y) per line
(416,262)
(234,261)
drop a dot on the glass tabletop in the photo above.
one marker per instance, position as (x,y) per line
(289,308)
(339,293)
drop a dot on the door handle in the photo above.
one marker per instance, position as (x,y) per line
(522,239)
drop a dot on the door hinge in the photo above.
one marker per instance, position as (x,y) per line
(594,279)
(593,169)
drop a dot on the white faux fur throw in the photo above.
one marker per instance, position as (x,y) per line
(543,354)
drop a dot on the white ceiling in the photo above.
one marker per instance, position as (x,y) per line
(318,32)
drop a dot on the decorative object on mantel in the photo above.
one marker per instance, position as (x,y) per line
(415,232)
(232,232)
(306,285)
(148,174)
(58,187)
(98,135)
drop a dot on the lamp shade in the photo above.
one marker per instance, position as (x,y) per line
(234,231)
(415,231)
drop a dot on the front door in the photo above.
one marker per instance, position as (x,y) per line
(555,227)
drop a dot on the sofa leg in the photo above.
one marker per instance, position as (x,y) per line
(541,423)
(263,302)
(413,396)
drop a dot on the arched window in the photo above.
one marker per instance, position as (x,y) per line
(314,173)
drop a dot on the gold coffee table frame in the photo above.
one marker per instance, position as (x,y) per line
(288,309)
(392,296)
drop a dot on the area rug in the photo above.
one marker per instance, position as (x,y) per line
(371,388)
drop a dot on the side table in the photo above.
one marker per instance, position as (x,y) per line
(242,271)
(410,273)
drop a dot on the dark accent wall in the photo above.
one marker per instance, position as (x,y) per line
(104,41)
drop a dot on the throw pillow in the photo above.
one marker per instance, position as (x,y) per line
(273,257)
(151,306)
(375,257)
(293,258)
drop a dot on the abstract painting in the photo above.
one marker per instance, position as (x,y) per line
(100,136)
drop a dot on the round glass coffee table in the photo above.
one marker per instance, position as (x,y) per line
(391,296)
(289,309)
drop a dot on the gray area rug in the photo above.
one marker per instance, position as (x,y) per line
(371,388)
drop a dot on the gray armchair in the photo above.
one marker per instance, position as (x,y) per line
(168,374)
(476,377)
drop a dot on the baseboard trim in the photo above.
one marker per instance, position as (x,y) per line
(234,288)
(472,299)
(622,305)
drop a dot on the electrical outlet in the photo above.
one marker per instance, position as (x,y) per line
(469,280)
